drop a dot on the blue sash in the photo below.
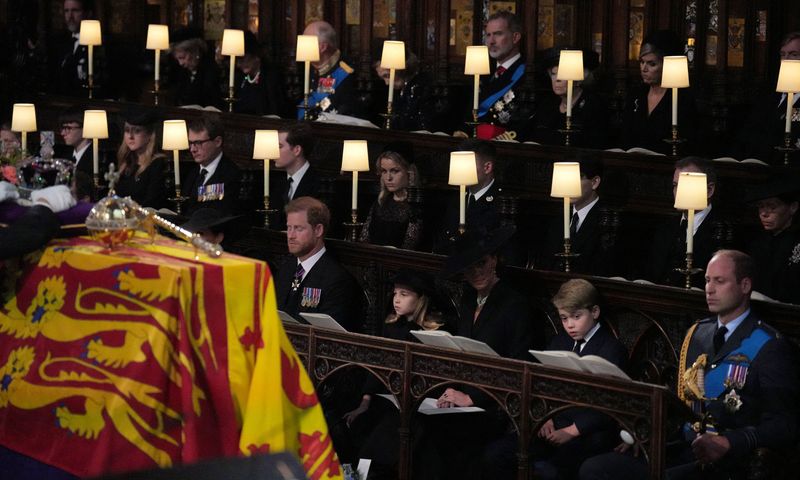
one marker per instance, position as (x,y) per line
(487,103)
(316,96)
(715,378)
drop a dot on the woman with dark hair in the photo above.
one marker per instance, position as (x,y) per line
(197,81)
(142,168)
(589,112)
(260,88)
(392,220)
(648,114)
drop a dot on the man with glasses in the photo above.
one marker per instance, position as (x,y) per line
(71,130)
(215,182)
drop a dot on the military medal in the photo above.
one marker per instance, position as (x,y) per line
(737,371)
(325,103)
(732,401)
(311,297)
(326,85)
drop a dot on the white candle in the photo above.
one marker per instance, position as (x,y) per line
(475,92)
(158,64)
(789,104)
(355,190)
(391,84)
(91,60)
(566,217)
(96,155)
(569,100)
(233,65)
(307,77)
(24,136)
(176,167)
(674,107)
(462,205)
(690,231)
(266,177)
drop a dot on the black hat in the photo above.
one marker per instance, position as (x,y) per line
(208,219)
(661,42)
(185,33)
(474,245)
(551,57)
(141,117)
(251,44)
(785,187)
(421,283)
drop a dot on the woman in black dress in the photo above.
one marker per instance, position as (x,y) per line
(260,88)
(589,112)
(142,168)
(648,113)
(392,220)
(197,82)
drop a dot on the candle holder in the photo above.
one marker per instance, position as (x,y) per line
(230,99)
(353,227)
(90,85)
(305,106)
(178,199)
(97,184)
(387,117)
(787,148)
(567,255)
(156,92)
(474,123)
(266,211)
(568,130)
(689,271)
(674,141)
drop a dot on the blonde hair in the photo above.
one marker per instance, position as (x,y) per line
(126,159)
(411,172)
(421,316)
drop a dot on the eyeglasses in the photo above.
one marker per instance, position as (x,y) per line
(198,143)
(69,128)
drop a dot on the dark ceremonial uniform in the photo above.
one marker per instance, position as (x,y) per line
(220,191)
(668,251)
(198,88)
(69,71)
(499,103)
(648,130)
(598,433)
(752,392)
(334,90)
(327,288)
(31,231)
(777,259)
(592,241)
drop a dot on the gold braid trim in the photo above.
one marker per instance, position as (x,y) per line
(682,365)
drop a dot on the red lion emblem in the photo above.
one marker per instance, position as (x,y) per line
(312,449)
(290,377)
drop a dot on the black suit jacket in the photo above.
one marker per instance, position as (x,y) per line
(201,90)
(308,187)
(669,251)
(30,232)
(68,66)
(226,173)
(482,214)
(340,295)
(764,128)
(596,249)
(768,415)
(86,162)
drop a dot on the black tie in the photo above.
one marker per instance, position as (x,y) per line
(573,226)
(200,180)
(577,347)
(289,182)
(470,199)
(719,338)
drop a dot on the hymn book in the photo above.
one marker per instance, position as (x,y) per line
(429,407)
(322,320)
(573,361)
(286,318)
(440,338)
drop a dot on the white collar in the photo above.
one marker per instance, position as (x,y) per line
(309,262)
(212,167)
(733,324)
(583,212)
(698,218)
(507,64)
(589,335)
(296,179)
(78,154)
(482,191)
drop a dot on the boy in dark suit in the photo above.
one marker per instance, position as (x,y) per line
(576,434)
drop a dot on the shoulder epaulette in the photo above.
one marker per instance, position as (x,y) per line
(347,68)
(769,329)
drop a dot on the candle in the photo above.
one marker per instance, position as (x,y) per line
(462,205)
(158,64)
(789,104)
(355,190)
(24,137)
(566,217)
(266,177)
(96,155)
(674,106)
(91,60)
(690,231)
(176,168)
(569,98)
(391,84)
(475,92)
